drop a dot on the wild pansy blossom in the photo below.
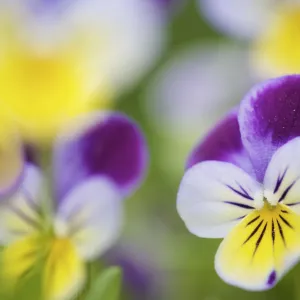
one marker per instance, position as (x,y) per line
(242,184)
(96,163)
(61,58)
(271,27)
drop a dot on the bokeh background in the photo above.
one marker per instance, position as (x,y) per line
(201,73)
(177,264)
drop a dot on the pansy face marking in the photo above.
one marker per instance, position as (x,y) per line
(253,201)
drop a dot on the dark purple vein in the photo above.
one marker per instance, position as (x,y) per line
(279,180)
(239,204)
(243,194)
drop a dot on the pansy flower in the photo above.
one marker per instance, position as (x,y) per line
(242,184)
(62,58)
(270,27)
(97,162)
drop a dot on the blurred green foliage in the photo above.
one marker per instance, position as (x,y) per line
(107,286)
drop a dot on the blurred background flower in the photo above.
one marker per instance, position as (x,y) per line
(59,58)
(269,27)
(241,19)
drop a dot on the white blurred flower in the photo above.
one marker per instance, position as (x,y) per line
(271,26)
(240,18)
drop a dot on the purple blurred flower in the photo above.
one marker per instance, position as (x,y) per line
(242,184)
(98,161)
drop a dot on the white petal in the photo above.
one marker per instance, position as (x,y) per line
(20,217)
(214,196)
(241,18)
(183,97)
(130,36)
(282,178)
(91,215)
(32,184)
(22,213)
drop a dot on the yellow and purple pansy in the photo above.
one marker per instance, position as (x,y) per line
(242,184)
(98,161)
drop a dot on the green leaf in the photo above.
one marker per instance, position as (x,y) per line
(107,286)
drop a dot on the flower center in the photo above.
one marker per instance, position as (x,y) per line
(268,206)
(274,213)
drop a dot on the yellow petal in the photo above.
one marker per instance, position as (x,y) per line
(43,90)
(19,258)
(276,52)
(64,271)
(261,249)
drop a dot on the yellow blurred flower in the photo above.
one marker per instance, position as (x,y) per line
(41,91)
(276,51)
(58,60)
(270,28)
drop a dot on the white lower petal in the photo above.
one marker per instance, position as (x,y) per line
(241,18)
(282,178)
(33,180)
(214,196)
(91,215)
(20,216)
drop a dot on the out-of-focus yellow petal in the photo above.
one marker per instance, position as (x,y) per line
(64,271)
(18,260)
(276,52)
(261,249)
(42,93)
(41,90)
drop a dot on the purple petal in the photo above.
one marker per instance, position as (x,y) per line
(109,144)
(223,143)
(269,117)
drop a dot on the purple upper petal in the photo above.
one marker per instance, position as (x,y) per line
(269,117)
(223,143)
(108,144)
